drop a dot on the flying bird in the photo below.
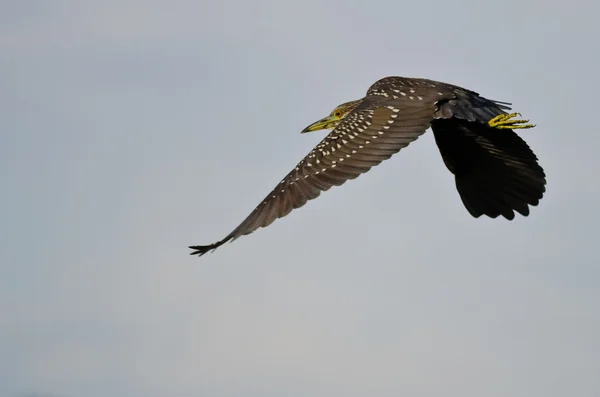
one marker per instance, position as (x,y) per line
(495,171)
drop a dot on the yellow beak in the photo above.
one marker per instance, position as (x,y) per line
(324,123)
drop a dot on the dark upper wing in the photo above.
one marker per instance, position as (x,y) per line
(495,170)
(368,135)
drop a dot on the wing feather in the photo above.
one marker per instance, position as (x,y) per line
(367,136)
(496,172)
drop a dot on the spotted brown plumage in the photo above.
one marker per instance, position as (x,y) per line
(495,171)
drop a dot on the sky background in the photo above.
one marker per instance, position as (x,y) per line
(131,129)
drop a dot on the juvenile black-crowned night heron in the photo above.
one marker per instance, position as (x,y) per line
(496,172)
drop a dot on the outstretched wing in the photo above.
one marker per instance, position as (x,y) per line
(496,172)
(378,128)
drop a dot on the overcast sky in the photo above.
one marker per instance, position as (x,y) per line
(131,129)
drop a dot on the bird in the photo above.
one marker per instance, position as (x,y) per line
(495,171)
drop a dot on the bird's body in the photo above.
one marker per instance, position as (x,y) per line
(496,173)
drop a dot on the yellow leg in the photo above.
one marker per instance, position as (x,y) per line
(506,122)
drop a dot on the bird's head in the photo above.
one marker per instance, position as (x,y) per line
(334,117)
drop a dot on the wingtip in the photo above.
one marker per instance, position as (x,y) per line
(203,249)
(199,249)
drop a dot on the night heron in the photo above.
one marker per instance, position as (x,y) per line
(496,173)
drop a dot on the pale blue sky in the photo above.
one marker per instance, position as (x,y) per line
(131,129)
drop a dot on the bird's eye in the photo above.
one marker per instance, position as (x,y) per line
(338,113)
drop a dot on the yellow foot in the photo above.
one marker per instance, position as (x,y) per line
(504,122)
